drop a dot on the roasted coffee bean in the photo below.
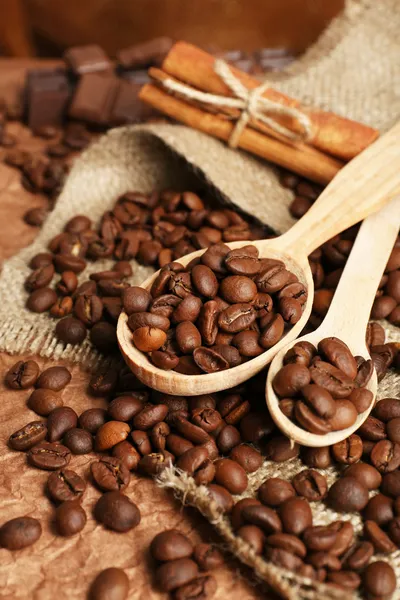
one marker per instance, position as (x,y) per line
(349,450)
(110,434)
(148,338)
(379,539)
(187,310)
(290,380)
(387,409)
(275,491)
(347,580)
(373,429)
(22,375)
(78,441)
(280,449)
(229,353)
(272,331)
(124,408)
(70,331)
(324,560)
(41,300)
(62,307)
(385,456)
(247,457)
(67,284)
(92,419)
(65,485)
(176,573)
(54,378)
(221,497)
(228,438)
(177,445)
(128,455)
(207,359)
(70,518)
(208,557)
(282,558)
(27,437)
(144,319)
(272,279)
(204,281)
(243,261)
(310,484)
(231,475)
(135,299)
(379,509)
(117,512)
(319,400)
(391,484)
(68,262)
(159,434)
(104,382)
(339,355)
(236,517)
(319,538)
(366,474)
(236,289)
(49,456)
(191,432)
(153,463)
(247,343)
(204,586)
(41,260)
(296,516)
(308,420)
(347,495)
(59,421)
(111,584)
(88,309)
(237,317)
(301,353)
(318,458)
(170,545)
(149,416)
(361,398)
(345,415)
(344,537)
(39,278)
(141,442)
(289,543)
(103,336)
(379,580)
(394,530)
(110,474)
(263,517)
(338,384)
(20,533)
(208,419)
(393,430)
(359,555)
(234,409)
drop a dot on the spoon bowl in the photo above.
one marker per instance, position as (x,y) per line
(362,187)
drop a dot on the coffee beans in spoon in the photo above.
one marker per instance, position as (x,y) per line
(323,387)
(226,307)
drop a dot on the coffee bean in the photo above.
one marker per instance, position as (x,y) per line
(345,415)
(379,539)
(243,261)
(20,533)
(339,355)
(385,456)
(65,485)
(70,331)
(230,475)
(379,579)
(208,322)
(310,484)
(59,421)
(280,449)
(208,360)
(359,555)
(275,491)
(247,457)
(144,319)
(344,537)
(221,497)
(319,538)
(41,260)
(141,442)
(117,512)
(318,458)
(308,420)
(247,343)
(39,278)
(348,451)
(237,518)
(290,380)
(148,338)
(394,530)
(92,419)
(263,517)
(153,463)
(379,509)
(124,408)
(68,262)
(237,317)
(149,416)
(347,495)
(171,545)
(338,384)
(324,560)
(110,434)
(366,474)
(289,543)
(70,518)
(78,441)
(54,378)
(361,398)
(373,429)
(201,587)
(41,300)
(347,580)
(22,375)
(283,559)
(393,430)
(208,557)
(49,456)
(237,289)
(27,437)
(176,573)
(110,584)
(296,516)
(110,474)
(228,438)
(387,409)
(205,281)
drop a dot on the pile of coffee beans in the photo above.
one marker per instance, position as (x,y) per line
(179,564)
(224,308)
(155,229)
(323,389)
(327,263)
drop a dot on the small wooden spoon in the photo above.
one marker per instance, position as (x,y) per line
(347,317)
(362,187)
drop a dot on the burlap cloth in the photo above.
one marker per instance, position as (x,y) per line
(354,70)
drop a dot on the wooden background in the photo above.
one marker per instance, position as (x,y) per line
(47,27)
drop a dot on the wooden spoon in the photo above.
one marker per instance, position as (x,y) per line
(362,187)
(348,316)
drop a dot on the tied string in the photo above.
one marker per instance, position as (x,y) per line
(250,103)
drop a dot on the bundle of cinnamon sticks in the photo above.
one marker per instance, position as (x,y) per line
(333,140)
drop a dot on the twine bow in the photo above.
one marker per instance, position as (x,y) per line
(250,103)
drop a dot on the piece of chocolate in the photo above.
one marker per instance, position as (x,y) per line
(94,98)
(87,59)
(147,54)
(127,107)
(47,96)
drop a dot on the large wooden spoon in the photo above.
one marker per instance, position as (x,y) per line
(362,187)
(348,316)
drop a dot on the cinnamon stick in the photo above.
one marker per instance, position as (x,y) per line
(332,134)
(311,163)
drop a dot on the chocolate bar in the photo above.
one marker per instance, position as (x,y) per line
(147,54)
(87,59)
(47,96)
(94,98)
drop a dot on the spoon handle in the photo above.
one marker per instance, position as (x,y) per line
(350,309)
(361,188)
